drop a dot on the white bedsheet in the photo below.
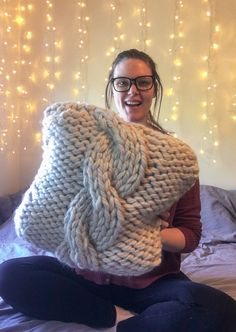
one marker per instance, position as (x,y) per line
(214,265)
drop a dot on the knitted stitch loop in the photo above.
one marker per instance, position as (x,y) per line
(102,183)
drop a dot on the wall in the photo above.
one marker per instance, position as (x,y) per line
(193,43)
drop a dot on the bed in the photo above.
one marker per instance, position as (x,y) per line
(212,263)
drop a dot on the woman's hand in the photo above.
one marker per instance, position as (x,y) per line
(164,217)
(173,240)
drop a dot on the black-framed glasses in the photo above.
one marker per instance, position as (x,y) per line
(142,83)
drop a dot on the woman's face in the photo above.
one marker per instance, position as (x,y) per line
(133,105)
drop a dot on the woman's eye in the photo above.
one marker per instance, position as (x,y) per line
(122,83)
(144,82)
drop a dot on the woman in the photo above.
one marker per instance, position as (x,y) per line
(161,300)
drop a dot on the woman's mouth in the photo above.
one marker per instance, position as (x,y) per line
(133,103)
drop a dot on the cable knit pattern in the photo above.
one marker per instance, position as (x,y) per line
(102,183)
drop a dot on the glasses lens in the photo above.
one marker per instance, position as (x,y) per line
(144,82)
(121,84)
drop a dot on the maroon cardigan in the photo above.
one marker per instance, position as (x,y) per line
(185,215)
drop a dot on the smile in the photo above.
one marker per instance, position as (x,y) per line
(132,103)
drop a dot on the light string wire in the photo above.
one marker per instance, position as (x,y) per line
(4,77)
(116,25)
(176,53)
(26,74)
(143,39)
(117,35)
(52,73)
(233,107)
(232,110)
(14,116)
(209,141)
(80,76)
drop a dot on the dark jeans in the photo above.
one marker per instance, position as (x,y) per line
(44,288)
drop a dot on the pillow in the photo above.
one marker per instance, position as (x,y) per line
(102,183)
(218,214)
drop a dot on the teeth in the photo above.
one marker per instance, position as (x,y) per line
(132,103)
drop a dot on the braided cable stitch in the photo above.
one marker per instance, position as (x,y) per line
(102,183)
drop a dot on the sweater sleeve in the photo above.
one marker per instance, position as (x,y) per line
(187,217)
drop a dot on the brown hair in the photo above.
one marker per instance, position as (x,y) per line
(158,88)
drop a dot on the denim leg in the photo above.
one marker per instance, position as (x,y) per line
(44,288)
(172,316)
(174,303)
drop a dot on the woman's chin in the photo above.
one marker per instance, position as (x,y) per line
(135,117)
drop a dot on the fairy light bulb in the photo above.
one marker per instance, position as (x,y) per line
(29,35)
(204,74)
(19,20)
(38,137)
(215,46)
(177,62)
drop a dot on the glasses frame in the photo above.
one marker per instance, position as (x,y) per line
(132,81)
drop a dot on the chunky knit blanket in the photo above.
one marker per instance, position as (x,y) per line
(102,183)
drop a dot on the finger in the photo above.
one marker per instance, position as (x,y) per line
(165,215)
(164,224)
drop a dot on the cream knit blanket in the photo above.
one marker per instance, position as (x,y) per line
(100,187)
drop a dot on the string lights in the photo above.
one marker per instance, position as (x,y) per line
(4,75)
(117,34)
(116,25)
(176,54)
(233,107)
(144,24)
(15,68)
(209,141)
(80,78)
(52,58)
(32,63)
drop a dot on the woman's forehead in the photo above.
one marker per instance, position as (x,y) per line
(132,67)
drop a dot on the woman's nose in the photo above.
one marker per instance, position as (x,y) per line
(133,88)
